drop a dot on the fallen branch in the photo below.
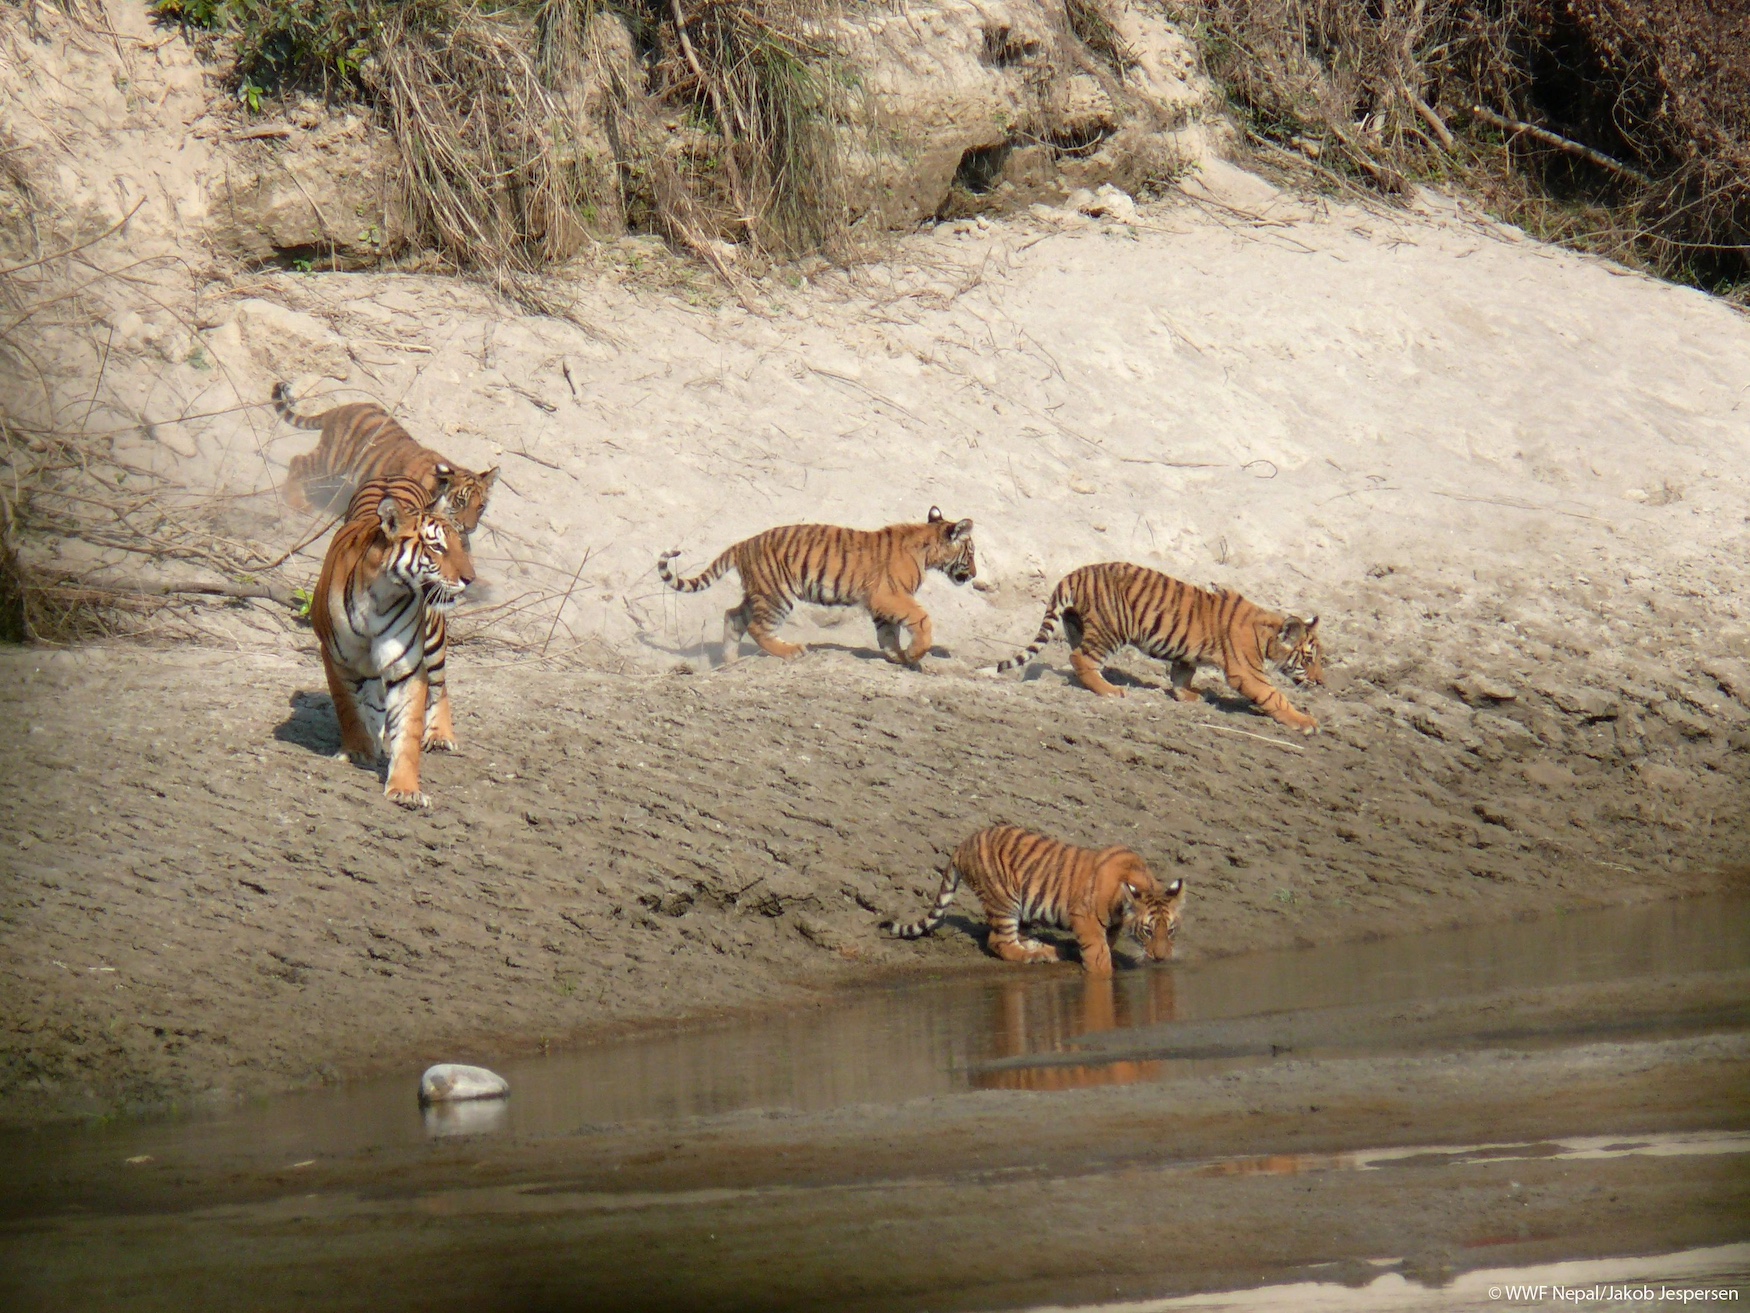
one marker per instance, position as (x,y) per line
(1561,143)
(1247,734)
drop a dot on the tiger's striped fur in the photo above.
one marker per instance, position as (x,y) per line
(879,569)
(1104,607)
(396,565)
(360,442)
(1023,878)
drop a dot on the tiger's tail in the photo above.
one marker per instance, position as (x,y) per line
(1061,600)
(699,582)
(286,408)
(918,929)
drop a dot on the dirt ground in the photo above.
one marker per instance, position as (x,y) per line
(199,901)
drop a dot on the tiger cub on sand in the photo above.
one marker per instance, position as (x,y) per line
(879,569)
(1106,606)
(396,565)
(1025,878)
(361,442)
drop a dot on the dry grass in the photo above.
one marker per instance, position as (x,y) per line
(1620,126)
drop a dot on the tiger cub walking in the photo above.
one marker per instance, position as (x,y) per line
(362,441)
(1106,606)
(879,569)
(1024,878)
(395,566)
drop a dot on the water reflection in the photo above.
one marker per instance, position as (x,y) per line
(1027,1022)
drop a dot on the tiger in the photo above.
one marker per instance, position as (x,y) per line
(1026,878)
(395,566)
(361,441)
(879,569)
(1106,606)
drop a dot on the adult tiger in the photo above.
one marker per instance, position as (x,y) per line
(879,569)
(396,565)
(1106,606)
(1025,878)
(361,441)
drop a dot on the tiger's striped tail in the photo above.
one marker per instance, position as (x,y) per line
(938,913)
(286,408)
(699,582)
(1060,601)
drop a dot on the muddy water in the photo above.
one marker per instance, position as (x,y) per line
(990,1027)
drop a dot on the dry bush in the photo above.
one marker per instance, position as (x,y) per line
(1617,125)
(87,523)
(717,116)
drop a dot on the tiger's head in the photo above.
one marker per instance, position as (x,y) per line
(1296,651)
(1152,913)
(466,493)
(949,549)
(426,552)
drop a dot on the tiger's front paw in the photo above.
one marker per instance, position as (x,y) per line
(411,798)
(363,760)
(439,743)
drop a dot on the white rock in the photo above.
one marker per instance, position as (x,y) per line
(452,1082)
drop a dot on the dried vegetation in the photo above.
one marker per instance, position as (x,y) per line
(1620,126)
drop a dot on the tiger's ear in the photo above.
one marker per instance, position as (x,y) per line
(962,529)
(389,515)
(935,515)
(488,477)
(1173,889)
(445,474)
(1132,890)
(1293,630)
(1312,626)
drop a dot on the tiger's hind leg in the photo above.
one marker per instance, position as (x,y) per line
(735,622)
(405,704)
(1006,941)
(1181,673)
(763,619)
(1087,663)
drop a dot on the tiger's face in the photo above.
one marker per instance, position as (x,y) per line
(951,550)
(1153,915)
(1297,652)
(466,494)
(426,554)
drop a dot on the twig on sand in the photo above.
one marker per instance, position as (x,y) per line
(1247,734)
(286,556)
(563,600)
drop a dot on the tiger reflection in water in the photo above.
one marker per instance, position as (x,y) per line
(1048,1020)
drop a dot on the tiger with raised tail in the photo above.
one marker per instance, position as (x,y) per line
(1104,607)
(361,441)
(394,567)
(1023,878)
(879,569)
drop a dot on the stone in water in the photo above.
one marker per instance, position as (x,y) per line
(452,1082)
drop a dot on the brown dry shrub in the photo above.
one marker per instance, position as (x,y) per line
(1627,122)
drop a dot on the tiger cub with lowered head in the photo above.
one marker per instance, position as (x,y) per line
(397,565)
(360,442)
(879,569)
(1106,606)
(1025,878)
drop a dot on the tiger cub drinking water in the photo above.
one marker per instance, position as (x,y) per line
(1106,606)
(360,442)
(397,565)
(1024,878)
(879,569)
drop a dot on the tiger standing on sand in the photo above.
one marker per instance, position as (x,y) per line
(395,565)
(1104,607)
(880,569)
(361,441)
(1024,878)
